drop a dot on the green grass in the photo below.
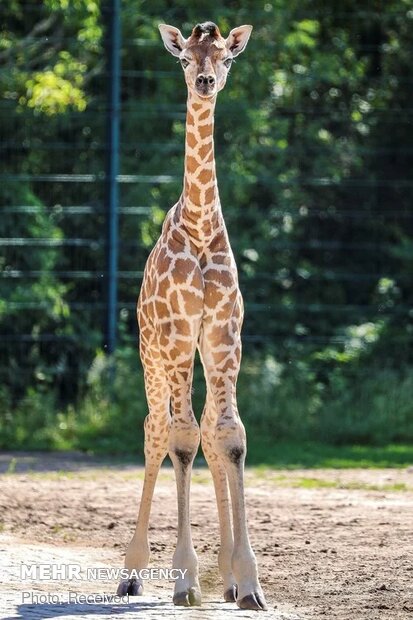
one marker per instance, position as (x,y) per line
(329,479)
(318,483)
(110,469)
(316,455)
(263,455)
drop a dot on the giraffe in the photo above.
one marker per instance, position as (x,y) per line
(189,300)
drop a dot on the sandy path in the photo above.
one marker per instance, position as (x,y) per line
(330,544)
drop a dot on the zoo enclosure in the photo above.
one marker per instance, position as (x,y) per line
(314,166)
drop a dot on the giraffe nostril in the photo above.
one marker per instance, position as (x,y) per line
(205,80)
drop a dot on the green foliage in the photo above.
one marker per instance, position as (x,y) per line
(49,76)
(107,419)
(52,92)
(346,405)
(314,160)
(279,405)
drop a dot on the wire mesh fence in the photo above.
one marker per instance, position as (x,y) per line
(314,167)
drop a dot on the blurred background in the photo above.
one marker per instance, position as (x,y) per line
(314,147)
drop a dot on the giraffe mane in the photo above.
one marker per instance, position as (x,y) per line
(207,32)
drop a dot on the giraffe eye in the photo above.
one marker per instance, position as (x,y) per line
(228,62)
(184,63)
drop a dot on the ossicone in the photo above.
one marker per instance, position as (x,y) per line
(208,28)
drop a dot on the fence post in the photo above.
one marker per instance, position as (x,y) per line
(112,169)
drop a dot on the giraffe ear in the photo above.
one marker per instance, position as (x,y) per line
(237,39)
(172,39)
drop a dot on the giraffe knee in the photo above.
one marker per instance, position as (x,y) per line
(184,440)
(182,457)
(230,441)
(236,454)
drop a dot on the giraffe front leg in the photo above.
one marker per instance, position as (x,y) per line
(138,551)
(230,443)
(183,446)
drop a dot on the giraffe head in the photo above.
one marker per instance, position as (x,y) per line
(205,56)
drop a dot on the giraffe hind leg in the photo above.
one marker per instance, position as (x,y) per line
(183,442)
(208,421)
(229,443)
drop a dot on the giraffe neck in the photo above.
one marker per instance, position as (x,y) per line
(200,206)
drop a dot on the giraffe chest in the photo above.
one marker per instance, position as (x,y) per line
(183,285)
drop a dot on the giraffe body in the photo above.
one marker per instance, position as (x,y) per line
(189,300)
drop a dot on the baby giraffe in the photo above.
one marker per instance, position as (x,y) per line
(190,300)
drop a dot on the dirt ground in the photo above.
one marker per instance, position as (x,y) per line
(334,544)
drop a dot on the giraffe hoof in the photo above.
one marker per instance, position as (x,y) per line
(190,598)
(130,587)
(230,595)
(253,601)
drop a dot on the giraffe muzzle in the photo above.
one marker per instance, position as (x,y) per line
(205,85)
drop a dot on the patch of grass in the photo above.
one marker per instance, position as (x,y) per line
(315,455)
(314,483)
(201,477)
(56,529)
(12,466)
(60,475)
(364,486)
(318,483)
(296,480)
